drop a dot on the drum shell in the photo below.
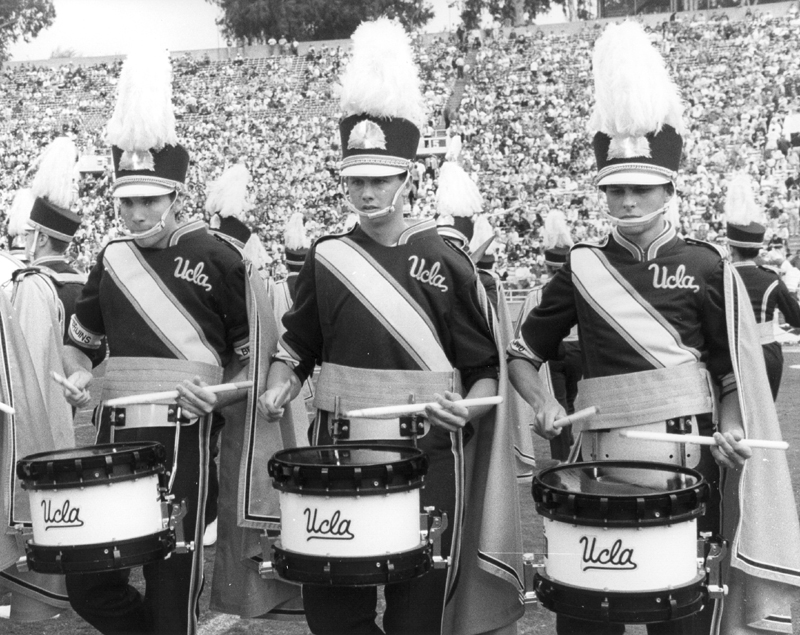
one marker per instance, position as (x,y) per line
(77,516)
(350,526)
(621,559)
(620,526)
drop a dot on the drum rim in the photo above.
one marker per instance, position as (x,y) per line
(698,494)
(153,456)
(585,595)
(309,479)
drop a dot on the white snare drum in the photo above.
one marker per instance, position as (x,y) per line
(96,508)
(621,541)
(350,515)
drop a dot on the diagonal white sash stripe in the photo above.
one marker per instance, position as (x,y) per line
(633,318)
(395,309)
(157,306)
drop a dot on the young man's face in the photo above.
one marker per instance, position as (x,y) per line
(140,213)
(370,194)
(635,201)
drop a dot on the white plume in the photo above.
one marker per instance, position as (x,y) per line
(143,118)
(556,230)
(740,203)
(483,232)
(457,194)
(294,234)
(634,94)
(453,148)
(382,79)
(227,196)
(55,178)
(20,212)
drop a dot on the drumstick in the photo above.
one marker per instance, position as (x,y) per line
(411,408)
(698,440)
(7,409)
(65,383)
(576,416)
(171,395)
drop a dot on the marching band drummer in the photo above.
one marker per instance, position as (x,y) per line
(390,309)
(660,318)
(169,300)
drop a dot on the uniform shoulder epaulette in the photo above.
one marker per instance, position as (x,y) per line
(718,249)
(57,278)
(344,232)
(458,249)
(120,239)
(18,274)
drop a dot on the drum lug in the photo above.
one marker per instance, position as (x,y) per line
(717,550)
(176,524)
(433,524)
(531,564)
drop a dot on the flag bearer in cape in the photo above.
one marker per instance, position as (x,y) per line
(669,344)
(45,292)
(170,302)
(390,309)
(745,233)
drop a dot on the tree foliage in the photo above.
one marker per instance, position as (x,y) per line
(23,19)
(255,21)
(503,11)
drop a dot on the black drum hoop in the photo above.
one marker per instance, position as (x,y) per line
(103,464)
(352,571)
(596,510)
(107,556)
(621,607)
(291,475)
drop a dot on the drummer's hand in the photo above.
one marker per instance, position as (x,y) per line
(81,379)
(728,452)
(194,398)
(270,404)
(446,414)
(547,413)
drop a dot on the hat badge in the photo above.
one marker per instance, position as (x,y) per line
(366,135)
(137,160)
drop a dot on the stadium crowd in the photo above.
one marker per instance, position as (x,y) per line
(526,96)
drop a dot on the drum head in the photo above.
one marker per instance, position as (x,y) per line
(348,470)
(92,465)
(620,493)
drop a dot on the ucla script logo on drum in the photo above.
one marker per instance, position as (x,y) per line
(66,516)
(616,558)
(333,528)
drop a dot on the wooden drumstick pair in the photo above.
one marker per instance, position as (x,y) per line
(415,408)
(665,437)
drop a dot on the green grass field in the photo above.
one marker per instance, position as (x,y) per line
(537,621)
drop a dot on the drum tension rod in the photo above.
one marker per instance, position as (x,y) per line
(412,425)
(531,564)
(717,549)
(269,537)
(434,523)
(340,427)
(22,534)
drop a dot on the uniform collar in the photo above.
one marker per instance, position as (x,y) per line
(190,229)
(667,238)
(46,261)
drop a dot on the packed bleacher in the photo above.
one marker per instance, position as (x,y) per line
(522,115)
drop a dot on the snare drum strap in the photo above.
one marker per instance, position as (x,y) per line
(366,388)
(626,400)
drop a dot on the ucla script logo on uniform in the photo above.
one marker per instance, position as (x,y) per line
(679,280)
(184,272)
(427,276)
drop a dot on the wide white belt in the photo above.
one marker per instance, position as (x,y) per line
(646,397)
